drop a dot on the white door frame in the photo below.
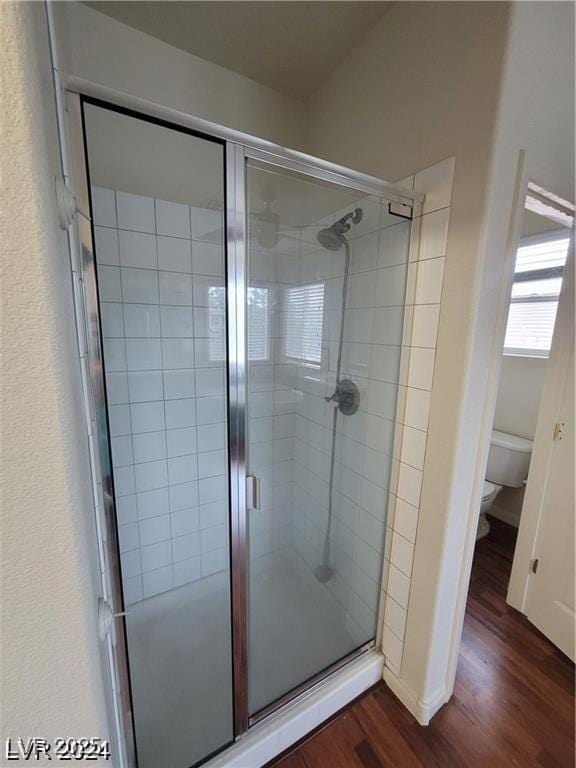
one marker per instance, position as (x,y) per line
(529,172)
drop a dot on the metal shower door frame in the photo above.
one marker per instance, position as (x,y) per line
(239,150)
(238,156)
(236,256)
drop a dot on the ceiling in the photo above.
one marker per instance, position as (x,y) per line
(289,46)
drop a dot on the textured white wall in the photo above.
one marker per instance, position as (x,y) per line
(519,393)
(433,80)
(51,675)
(103,50)
(424,86)
(536,113)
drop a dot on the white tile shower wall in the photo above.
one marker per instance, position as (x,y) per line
(423,302)
(271,422)
(160,276)
(364,444)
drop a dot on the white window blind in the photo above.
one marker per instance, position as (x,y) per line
(258,323)
(530,327)
(216,323)
(550,252)
(303,322)
(534,301)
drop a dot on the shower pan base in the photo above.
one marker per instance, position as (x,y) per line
(283,586)
(279,731)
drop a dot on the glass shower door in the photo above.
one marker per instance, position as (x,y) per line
(273,360)
(326,276)
(157,199)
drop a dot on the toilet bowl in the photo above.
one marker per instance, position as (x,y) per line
(508,464)
(489,493)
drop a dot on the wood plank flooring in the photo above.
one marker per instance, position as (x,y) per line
(513,703)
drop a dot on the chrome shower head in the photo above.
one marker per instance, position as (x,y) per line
(332,238)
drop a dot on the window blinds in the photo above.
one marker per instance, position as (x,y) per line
(258,323)
(303,321)
(535,292)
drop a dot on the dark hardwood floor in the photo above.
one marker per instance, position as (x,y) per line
(513,704)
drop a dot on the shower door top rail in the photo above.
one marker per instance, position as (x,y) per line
(299,162)
(255,147)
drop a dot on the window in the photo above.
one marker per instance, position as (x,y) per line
(303,320)
(537,281)
(258,323)
(216,323)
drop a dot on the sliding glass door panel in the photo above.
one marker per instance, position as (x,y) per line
(251,322)
(157,197)
(326,277)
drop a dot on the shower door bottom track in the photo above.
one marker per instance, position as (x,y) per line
(308,688)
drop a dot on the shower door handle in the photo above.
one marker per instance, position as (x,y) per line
(252,492)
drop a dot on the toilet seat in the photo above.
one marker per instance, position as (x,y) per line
(490,491)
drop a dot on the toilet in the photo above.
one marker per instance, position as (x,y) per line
(508,464)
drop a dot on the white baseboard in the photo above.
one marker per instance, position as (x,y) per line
(505,515)
(422,709)
(267,740)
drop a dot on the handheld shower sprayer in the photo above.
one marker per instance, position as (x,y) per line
(346,395)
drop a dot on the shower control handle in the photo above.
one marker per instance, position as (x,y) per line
(252,492)
(346,397)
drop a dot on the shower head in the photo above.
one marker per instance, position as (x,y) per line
(332,238)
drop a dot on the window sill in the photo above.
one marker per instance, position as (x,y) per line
(528,353)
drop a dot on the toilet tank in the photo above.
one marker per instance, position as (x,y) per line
(508,459)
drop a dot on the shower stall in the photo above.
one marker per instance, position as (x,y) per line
(244,313)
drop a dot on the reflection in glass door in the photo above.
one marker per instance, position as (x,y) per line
(157,197)
(326,276)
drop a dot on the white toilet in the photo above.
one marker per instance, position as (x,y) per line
(508,464)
